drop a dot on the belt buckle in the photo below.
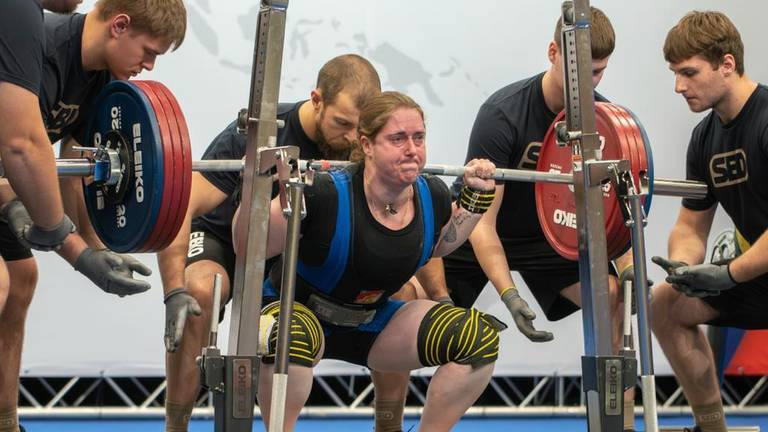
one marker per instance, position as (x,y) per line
(331,312)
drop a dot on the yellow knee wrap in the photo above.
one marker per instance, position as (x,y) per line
(453,334)
(306,335)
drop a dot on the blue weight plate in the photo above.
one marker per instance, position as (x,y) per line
(648,157)
(125,226)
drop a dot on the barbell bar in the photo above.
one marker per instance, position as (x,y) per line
(662,186)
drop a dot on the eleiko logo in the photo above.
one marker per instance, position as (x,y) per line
(196,240)
(564,218)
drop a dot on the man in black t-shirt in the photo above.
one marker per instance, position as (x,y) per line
(27,160)
(729,152)
(325,126)
(119,38)
(509,129)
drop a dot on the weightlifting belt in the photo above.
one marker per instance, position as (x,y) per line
(339,314)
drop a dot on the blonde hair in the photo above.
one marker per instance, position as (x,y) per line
(166,19)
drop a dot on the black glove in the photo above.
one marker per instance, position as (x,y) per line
(178,303)
(113,272)
(447,300)
(29,234)
(524,316)
(703,280)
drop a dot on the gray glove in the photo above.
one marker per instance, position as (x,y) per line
(524,316)
(668,265)
(447,300)
(113,272)
(703,280)
(178,304)
(628,276)
(29,234)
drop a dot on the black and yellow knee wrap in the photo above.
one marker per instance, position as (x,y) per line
(306,335)
(453,334)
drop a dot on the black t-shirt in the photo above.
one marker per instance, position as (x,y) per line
(67,91)
(732,160)
(21,43)
(508,130)
(229,144)
(381,259)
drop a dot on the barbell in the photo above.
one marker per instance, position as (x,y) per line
(137,182)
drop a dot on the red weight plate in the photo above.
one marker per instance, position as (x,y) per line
(179,201)
(639,157)
(637,161)
(555,203)
(642,156)
(619,236)
(164,232)
(615,229)
(167,188)
(186,147)
(168,165)
(167,145)
(184,176)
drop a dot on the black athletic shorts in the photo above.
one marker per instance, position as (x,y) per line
(744,306)
(353,344)
(10,248)
(205,245)
(544,271)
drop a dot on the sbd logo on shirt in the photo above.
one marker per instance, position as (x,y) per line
(728,168)
(530,156)
(62,116)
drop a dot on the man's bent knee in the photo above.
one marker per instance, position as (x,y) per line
(23,279)
(199,283)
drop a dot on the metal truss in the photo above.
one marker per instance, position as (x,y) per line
(352,395)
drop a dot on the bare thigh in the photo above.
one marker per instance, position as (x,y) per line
(395,350)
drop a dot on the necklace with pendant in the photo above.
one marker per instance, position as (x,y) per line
(390,208)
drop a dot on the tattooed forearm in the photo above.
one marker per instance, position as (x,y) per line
(462,216)
(450,234)
(459,218)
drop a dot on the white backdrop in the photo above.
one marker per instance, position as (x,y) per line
(450,57)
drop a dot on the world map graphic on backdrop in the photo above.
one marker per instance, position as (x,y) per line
(399,70)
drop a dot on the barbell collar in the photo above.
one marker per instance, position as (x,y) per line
(75,167)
